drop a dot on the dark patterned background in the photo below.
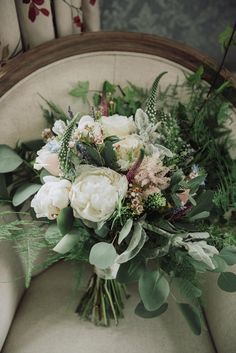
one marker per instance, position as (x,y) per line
(194,22)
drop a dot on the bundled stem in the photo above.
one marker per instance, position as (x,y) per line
(102,301)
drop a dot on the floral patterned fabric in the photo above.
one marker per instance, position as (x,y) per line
(197,22)
(34,22)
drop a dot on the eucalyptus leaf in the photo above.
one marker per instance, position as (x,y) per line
(229,255)
(154,290)
(219,262)
(131,271)
(65,220)
(141,311)
(192,316)
(67,242)
(102,255)
(186,288)
(227,282)
(24,192)
(125,230)
(136,243)
(9,159)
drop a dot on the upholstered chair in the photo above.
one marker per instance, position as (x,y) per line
(41,318)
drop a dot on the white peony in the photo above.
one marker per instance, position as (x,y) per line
(128,151)
(51,197)
(48,160)
(95,193)
(89,129)
(118,125)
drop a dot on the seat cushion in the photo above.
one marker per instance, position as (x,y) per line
(46,323)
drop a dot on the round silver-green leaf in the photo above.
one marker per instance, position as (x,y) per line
(227,282)
(154,290)
(102,255)
(24,192)
(9,159)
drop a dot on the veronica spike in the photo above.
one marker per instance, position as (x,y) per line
(151,104)
(64,149)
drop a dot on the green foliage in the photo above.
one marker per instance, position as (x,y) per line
(153,289)
(90,154)
(155,201)
(102,255)
(108,88)
(196,78)
(9,159)
(186,288)
(29,240)
(125,231)
(53,113)
(227,282)
(65,220)
(24,192)
(136,243)
(221,235)
(131,271)
(224,37)
(192,316)
(64,156)
(4,195)
(80,90)
(229,255)
(203,206)
(151,104)
(109,155)
(141,311)
(67,242)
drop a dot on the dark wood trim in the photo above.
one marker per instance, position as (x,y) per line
(58,49)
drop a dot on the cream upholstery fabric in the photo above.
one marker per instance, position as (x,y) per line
(221,313)
(35,22)
(43,319)
(46,322)
(11,282)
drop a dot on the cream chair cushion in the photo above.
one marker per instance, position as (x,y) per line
(44,322)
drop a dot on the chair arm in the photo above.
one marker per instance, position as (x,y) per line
(11,284)
(221,314)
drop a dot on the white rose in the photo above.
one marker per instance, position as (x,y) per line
(48,160)
(128,151)
(118,125)
(89,129)
(51,197)
(95,192)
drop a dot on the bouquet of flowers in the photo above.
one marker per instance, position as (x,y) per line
(143,188)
